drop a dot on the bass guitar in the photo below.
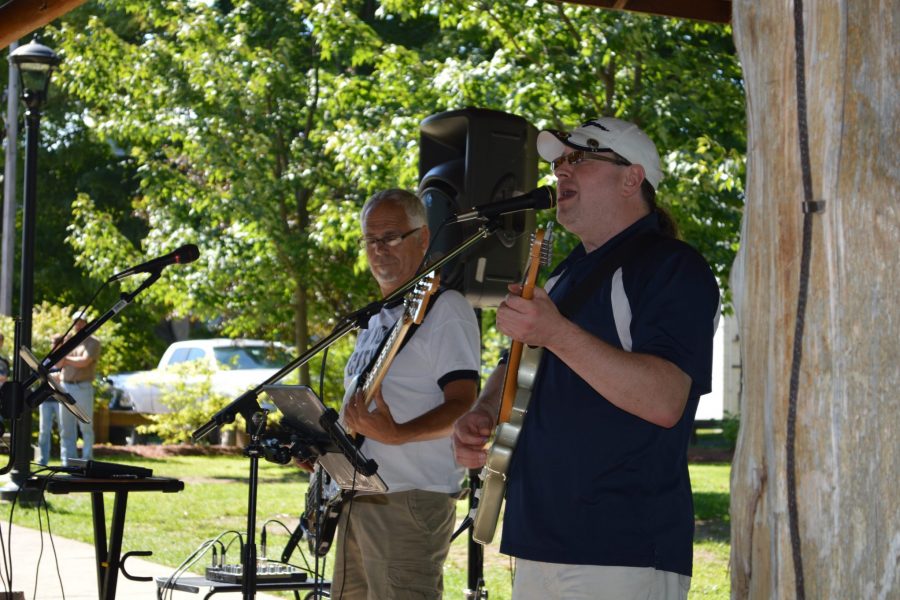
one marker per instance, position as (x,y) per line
(324,498)
(521,369)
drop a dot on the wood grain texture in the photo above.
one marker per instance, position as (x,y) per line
(848,415)
(18,18)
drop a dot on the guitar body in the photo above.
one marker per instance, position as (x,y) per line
(493,474)
(521,370)
(324,502)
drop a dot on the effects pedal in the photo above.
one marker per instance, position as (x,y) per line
(268,572)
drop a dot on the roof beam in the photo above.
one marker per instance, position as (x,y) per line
(21,17)
(716,11)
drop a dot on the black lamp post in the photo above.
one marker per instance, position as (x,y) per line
(35,63)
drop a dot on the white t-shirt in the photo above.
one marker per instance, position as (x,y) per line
(446,343)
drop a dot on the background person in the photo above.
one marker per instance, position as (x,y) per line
(49,411)
(78,369)
(598,502)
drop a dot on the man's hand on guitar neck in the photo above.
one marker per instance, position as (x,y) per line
(535,322)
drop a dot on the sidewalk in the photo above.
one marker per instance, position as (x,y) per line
(77,570)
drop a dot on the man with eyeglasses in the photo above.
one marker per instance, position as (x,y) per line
(394,545)
(598,501)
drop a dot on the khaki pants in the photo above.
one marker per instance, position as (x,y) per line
(547,581)
(394,546)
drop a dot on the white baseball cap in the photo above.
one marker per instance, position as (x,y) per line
(609,134)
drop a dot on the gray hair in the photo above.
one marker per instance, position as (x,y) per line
(412,205)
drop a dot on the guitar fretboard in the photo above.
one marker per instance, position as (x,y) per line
(372,375)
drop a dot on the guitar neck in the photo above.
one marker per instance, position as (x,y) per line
(378,373)
(515,350)
(512,369)
(413,314)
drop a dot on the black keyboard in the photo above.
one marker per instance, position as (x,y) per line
(96,469)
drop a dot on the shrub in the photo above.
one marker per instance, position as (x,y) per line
(731,423)
(191,400)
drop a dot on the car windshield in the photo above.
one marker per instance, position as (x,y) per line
(252,357)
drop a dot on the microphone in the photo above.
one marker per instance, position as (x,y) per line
(538,199)
(185,254)
(292,542)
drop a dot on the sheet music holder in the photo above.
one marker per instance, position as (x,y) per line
(50,387)
(317,425)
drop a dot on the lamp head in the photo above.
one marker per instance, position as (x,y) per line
(36,63)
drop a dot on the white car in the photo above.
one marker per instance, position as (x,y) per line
(236,366)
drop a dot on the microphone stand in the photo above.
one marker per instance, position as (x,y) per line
(247,404)
(79,336)
(13,400)
(248,557)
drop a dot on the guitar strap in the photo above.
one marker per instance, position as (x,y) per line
(409,333)
(428,307)
(359,439)
(640,242)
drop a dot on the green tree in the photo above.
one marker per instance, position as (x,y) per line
(257,129)
(72,160)
(556,64)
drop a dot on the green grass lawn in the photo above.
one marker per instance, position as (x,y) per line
(215,499)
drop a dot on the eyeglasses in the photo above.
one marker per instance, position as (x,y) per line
(578,156)
(391,241)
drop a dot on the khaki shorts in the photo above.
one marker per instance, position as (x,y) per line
(394,547)
(546,581)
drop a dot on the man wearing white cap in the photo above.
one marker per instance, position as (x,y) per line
(598,500)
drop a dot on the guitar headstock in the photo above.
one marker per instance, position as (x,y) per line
(539,256)
(546,250)
(542,246)
(417,299)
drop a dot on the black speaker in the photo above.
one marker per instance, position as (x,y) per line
(470,158)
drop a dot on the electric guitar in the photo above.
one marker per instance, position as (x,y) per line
(324,498)
(521,368)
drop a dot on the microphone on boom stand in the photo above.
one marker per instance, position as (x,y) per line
(537,199)
(183,255)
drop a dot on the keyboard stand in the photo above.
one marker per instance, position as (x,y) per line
(108,555)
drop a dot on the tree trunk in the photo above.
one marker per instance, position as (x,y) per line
(301,328)
(848,405)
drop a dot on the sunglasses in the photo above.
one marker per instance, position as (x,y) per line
(578,156)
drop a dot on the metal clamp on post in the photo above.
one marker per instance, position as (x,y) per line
(813,207)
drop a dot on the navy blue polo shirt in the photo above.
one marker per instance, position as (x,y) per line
(590,483)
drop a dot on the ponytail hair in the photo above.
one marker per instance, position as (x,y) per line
(667,224)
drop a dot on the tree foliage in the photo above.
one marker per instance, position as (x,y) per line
(257,129)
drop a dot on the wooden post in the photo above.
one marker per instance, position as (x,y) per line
(101,424)
(848,410)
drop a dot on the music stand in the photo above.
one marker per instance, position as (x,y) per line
(317,426)
(50,387)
